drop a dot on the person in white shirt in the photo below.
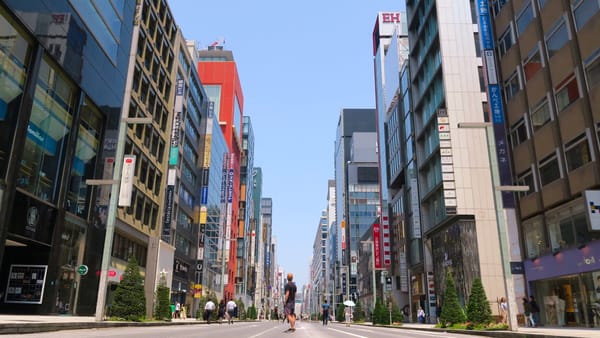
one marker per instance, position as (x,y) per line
(209,308)
(230,310)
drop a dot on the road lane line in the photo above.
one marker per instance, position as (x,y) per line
(261,333)
(348,333)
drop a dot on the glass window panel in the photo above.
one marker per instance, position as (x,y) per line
(535,241)
(577,153)
(540,115)
(524,18)
(567,94)
(549,171)
(84,159)
(532,64)
(592,70)
(557,39)
(583,11)
(49,124)
(14,59)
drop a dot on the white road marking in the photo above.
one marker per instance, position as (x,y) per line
(261,333)
(348,333)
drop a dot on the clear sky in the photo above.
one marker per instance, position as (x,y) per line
(300,63)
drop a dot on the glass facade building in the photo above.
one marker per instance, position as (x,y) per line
(62,85)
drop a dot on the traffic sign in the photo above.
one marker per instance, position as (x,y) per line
(82,270)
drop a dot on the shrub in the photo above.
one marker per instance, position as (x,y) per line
(130,301)
(339,313)
(380,314)
(452,311)
(478,307)
(251,313)
(162,311)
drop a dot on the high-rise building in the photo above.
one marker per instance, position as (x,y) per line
(63,75)
(390,52)
(318,269)
(547,68)
(357,187)
(246,211)
(459,225)
(219,76)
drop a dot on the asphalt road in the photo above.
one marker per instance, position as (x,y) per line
(248,330)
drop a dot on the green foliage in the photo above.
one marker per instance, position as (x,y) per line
(202,302)
(478,307)
(358,313)
(130,301)
(339,313)
(380,314)
(251,313)
(241,309)
(162,311)
(397,315)
(452,311)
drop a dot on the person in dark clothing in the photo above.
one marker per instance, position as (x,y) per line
(325,307)
(535,311)
(290,302)
(221,312)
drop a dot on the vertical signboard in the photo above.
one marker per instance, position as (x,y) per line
(127,180)
(376,246)
(447,162)
(166,231)
(175,128)
(592,206)
(495,101)
(385,231)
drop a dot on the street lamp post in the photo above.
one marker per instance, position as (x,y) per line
(509,285)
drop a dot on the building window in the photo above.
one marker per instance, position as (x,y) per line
(566,93)
(518,132)
(524,18)
(49,127)
(549,169)
(541,114)
(526,179)
(557,38)
(506,41)
(577,153)
(497,6)
(512,86)
(583,11)
(567,226)
(592,70)
(532,64)
(533,234)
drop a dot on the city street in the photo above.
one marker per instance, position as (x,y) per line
(245,330)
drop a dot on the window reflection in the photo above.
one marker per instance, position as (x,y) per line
(49,125)
(86,149)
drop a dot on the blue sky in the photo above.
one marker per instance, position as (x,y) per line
(300,63)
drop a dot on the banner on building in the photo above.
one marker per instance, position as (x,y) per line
(127,180)
(592,206)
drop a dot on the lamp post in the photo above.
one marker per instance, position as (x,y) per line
(509,285)
(373,268)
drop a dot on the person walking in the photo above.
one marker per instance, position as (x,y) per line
(535,311)
(503,310)
(528,316)
(348,315)
(209,308)
(325,307)
(290,302)
(421,315)
(230,310)
(221,313)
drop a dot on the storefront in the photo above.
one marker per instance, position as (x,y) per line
(566,286)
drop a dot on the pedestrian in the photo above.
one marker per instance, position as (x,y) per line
(503,310)
(172,310)
(209,308)
(421,315)
(230,310)
(535,311)
(438,313)
(290,302)
(221,313)
(348,315)
(325,307)
(528,316)
(177,309)
(183,312)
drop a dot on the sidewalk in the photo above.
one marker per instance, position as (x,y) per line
(18,324)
